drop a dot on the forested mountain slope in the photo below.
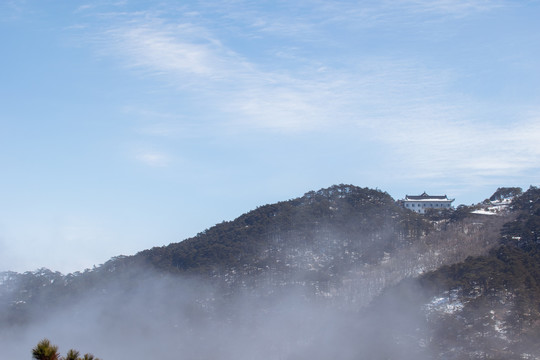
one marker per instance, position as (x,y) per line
(459,278)
(489,306)
(363,222)
(340,236)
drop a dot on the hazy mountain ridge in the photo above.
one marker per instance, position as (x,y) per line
(339,230)
(335,236)
(307,239)
(344,246)
(370,218)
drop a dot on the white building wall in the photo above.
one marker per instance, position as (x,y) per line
(422,206)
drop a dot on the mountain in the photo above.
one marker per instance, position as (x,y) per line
(490,305)
(451,284)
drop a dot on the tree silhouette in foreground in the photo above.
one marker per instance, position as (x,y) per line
(44,350)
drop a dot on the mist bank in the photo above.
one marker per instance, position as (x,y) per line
(174,317)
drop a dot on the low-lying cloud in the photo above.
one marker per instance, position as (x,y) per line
(174,318)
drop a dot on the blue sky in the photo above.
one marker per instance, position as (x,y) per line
(131,124)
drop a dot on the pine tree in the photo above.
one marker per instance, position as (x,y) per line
(45,351)
(72,355)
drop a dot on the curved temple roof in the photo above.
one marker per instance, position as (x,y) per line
(425,197)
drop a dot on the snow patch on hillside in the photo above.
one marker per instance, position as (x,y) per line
(449,303)
(497,207)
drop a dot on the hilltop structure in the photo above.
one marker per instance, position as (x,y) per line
(420,203)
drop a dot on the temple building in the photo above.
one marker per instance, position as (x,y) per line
(420,203)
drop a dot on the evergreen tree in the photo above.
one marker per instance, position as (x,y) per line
(45,351)
(72,355)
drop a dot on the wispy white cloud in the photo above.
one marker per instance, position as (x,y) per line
(12,10)
(400,102)
(84,7)
(307,21)
(468,151)
(450,7)
(153,158)
(158,50)
(191,59)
